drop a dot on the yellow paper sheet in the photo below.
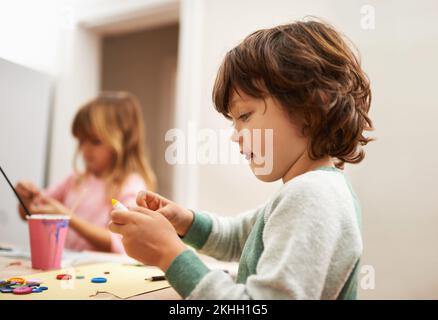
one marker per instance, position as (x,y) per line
(123,281)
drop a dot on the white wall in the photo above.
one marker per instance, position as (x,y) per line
(30,33)
(23,140)
(43,35)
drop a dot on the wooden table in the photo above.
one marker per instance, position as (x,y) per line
(12,267)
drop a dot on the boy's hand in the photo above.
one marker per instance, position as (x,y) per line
(179,217)
(147,236)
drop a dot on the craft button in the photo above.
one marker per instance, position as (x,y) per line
(32,284)
(6,290)
(22,290)
(44,288)
(63,277)
(37,290)
(17,280)
(98,280)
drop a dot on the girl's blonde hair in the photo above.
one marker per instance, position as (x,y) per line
(116,119)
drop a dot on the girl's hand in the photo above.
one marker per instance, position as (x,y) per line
(46,205)
(147,236)
(179,217)
(27,192)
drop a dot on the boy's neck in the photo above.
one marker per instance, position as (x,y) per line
(305,164)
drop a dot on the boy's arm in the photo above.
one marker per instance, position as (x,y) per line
(220,237)
(308,248)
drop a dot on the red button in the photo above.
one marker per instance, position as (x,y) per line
(22,290)
(63,277)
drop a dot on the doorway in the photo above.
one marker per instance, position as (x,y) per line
(144,63)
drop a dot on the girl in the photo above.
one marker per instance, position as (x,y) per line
(110,139)
(303,82)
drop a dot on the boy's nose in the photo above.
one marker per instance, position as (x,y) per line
(235,136)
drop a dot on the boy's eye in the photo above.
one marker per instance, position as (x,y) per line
(244,117)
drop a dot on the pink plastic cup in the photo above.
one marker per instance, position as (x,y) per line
(47,238)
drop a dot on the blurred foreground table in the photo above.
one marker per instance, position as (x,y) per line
(15,263)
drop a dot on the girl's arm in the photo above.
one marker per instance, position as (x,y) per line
(56,191)
(99,237)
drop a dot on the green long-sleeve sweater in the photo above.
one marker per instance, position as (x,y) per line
(304,243)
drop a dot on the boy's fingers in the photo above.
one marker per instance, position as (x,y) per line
(121,217)
(148,199)
(116,228)
(167,212)
(142,210)
(141,199)
(151,200)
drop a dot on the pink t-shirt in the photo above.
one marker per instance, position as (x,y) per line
(90,202)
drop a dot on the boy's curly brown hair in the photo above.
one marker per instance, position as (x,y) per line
(308,67)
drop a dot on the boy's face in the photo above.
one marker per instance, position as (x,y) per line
(266,135)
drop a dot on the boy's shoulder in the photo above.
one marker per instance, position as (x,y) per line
(319,189)
(313,183)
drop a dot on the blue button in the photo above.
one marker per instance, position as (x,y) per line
(98,280)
